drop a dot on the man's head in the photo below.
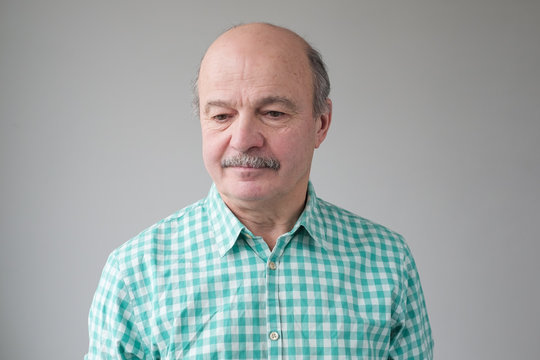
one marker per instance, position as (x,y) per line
(263,108)
(321,81)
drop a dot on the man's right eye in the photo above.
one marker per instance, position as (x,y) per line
(220,117)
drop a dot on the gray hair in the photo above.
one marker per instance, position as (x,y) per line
(321,81)
(252,161)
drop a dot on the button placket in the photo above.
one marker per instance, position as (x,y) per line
(273,310)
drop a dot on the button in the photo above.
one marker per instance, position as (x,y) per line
(274,336)
(272,265)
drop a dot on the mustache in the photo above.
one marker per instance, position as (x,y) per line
(251,161)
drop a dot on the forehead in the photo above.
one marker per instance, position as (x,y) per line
(255,63)
(271,69)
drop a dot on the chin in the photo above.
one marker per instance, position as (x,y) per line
(246,192)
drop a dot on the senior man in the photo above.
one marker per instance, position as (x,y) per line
(261,268)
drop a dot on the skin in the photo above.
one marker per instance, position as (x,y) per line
(255,94)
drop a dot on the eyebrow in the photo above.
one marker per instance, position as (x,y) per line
(215,103)
(269,100)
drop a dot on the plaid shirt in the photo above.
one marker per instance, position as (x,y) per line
(200,285)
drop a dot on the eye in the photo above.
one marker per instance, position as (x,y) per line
(274,114)
(221,117)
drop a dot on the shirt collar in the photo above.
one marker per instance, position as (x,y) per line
(312,218)
(226,227)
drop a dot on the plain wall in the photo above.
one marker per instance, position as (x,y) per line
(435,134)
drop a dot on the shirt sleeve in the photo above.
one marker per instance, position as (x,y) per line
(112,323)
(411,332)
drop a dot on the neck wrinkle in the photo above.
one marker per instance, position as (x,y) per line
(268,222)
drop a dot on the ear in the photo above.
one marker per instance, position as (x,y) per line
(323,123)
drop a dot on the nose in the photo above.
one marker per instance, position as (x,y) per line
(246,133)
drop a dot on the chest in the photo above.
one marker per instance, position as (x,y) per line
(298,305)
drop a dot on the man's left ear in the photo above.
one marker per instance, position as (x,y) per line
(323,123)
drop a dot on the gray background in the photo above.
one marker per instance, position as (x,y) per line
(435,134)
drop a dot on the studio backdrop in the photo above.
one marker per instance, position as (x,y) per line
(435,134)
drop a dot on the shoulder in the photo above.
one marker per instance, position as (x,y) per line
(355,233)
(168,237)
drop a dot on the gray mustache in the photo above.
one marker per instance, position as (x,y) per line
(251,161)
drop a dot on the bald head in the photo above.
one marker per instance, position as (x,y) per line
(263,34)
(267,41)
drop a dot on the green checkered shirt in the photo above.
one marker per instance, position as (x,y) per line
(200,285)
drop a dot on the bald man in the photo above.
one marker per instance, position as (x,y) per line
(261,268)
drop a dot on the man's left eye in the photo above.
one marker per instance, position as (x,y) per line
(274,114)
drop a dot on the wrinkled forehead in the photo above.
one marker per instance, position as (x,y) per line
(246,66)
(255,59)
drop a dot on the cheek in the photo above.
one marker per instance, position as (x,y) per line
(214,146)
(209,148)
(294,146)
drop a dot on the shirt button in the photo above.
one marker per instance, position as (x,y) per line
(272,265)
(274,336)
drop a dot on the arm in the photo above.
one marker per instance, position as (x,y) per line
(112,324)
(411,332)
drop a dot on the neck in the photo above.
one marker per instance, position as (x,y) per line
(268,219)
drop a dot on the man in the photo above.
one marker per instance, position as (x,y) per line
(261,268)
